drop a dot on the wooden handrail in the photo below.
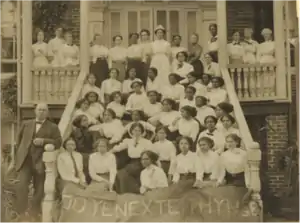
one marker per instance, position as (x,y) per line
(59,69)
(230,66)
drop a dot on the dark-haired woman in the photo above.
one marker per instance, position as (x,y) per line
(194,81)
(186,125)
(217,94)
(227,125)
(110,85)
(234,161)
(145,44)
(213,43)
(211,67)
(173,90)
(153,83)
(40,51)
(223,108)
(236,51)
(176,48)
(99,56)
(189,97)
(213,133)
(128,178)
(116,104)
(195,51)
(180,66)
(211,172)
(118,56)
(138,98)
(82,108)
(130,78)
(153,106)
(135,57)
(95,107)
(203,110)
(152,176)
(161,50)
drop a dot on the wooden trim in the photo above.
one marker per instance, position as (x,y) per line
(222,33)
(251,65)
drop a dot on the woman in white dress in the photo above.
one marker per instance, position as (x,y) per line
(69,53)
(211,67)
(176,48)
(117,57)
(236,50)
(217,94)
(222,109)
(54,47)
(180,66)
(99,64)
(110,85)
(146,46)
(250,47)
(203,109)
(161,55)
(227,127)
(40,51)
(266,50)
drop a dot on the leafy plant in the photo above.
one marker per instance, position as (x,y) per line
(9,95)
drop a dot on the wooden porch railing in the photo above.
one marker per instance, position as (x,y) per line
(50,155)
(53,85)
(253,148)
(254,82)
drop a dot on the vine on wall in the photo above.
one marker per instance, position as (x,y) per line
(9,96)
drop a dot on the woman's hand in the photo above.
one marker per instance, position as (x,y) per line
(83,184)
(198,184)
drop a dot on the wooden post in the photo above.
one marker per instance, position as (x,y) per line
(84,40)
(279,38)
(26,51)
(222,33)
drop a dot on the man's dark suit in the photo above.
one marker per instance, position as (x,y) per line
(29,163)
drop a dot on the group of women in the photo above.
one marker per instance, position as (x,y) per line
(140,133)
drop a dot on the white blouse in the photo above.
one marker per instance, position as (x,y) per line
(126,86)
(146,49)
(98,51)
(69,55)
(212,69)
(96,110)
(166,118)
(153,85)
(136,102)
(177,49)
(134,146)
(213,45)
(218,138)
(118,108)
(175,92)
(185,127)
(65,167)
(135,51)
(109,86)
(117,53)
(216,96)
(236,51)
(40,53)
(90,88)
(153,177)
(102,163)
(185,101)
(234,160)
(266,52)
(54,47)
(152,109)
(183,69)
(161,47)
(91,119)
(165,150)
(250,48)
(201,89)
(203,112)
(188,163)
(211,163)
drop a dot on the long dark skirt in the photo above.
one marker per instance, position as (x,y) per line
(235,179)
(128,178)
(187,176)
(100,70)
(214,55)
(140,68)
(198,67)
(121,66)
(86,157)
(165,165)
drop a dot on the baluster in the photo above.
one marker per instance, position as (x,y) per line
(68,85)
(49,158)
(272,81)
(239,83)
(49,85)
(36,85)
(259,83)
(246,87)
(43,85)
(266,81)
(231,73)
(75,76)
(56,85)
(252,82)
(62,89)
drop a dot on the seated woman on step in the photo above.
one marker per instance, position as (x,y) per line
(217,94)
(138,98)
(95,107)
(173,90)
(228,122)
(110,85)
(222,109)
(153,106)
(127,84)
(189,97)
(116,104)
(90,85)
(82,108)
(203,110)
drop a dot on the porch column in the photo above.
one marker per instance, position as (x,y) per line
(84,40)
(279,38)
(26,51)
(222,33)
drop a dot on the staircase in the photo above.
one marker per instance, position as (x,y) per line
(49,157)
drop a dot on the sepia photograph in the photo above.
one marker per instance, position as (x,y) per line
(149,111)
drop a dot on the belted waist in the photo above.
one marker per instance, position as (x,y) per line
(118,61)
(135,58)
(187,176)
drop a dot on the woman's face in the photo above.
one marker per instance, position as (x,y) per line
(177,41)
(199,102)
(166,106)
(92,79)
(137,88)
(219,112)
(84,106)
(134,39)
(194,39)
(98,40)
(204,146)
(248,33)
(191,79)
(113,74)
(145,160)
(70,145)
(172,80)
(151,74)
(226,122)
(205,79)
(181,57)
(92,98)
(236,37)
(118,98)
(135,116)
(84,122)
(59,32)
(215,83)
(254,208)
(210,124)
(69,38)
(267,36)
(184,114)
(107,116)
(160,34)
(102,147)
(207,58)
(144,36)
(184,146)
(152,97)
(213,30)
(230,143)
(161,135)
(189,93)
(137,131)
(132,73)
(118,41)
(40,37)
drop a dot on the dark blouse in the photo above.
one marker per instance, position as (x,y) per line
(83,139)
(195,52)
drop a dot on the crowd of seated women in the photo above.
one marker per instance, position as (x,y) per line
(132,137)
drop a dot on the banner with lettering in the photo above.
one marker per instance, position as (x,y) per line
(178,203)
